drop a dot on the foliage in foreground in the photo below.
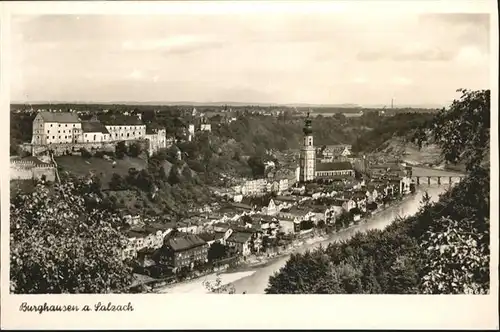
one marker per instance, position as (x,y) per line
(443,249)
(64,242)
(218,288)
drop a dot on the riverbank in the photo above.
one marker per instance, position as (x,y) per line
(248,269)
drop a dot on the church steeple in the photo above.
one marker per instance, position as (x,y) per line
(307,126)
(308,153)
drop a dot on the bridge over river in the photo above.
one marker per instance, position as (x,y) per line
(431,176)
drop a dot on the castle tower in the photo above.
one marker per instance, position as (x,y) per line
(307,154)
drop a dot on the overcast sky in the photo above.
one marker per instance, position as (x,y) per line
(292,58)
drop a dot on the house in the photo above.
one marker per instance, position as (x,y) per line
(271,208)
(267,224)
(157,139)
(133,243)
(206,127)
(360,198)
(371,193)
(124,128)
(300,213)
(387,169)
(145,257)
(322,212)
(56,128)
(253,187)
(183,251)
(211,238)
(240,242)
(94,132)
(328,170)
(335,151)
(346,204)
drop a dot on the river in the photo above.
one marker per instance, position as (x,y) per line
(254,281)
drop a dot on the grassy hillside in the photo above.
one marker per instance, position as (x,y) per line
(102,168)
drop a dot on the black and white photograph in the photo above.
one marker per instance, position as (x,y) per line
(250,153)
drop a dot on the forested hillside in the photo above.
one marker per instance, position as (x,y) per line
(444,249)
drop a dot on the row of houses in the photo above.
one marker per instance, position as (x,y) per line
(261,186)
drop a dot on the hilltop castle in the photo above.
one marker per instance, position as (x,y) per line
(65,128)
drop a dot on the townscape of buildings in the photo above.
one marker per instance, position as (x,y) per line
(252,224)
(252,217)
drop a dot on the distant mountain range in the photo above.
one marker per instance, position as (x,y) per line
(230,103)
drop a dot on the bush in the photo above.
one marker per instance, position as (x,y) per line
(85,153)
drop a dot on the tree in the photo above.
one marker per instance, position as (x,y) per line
(458,257)
(134,150)
(256,163)
(216,252)
(121,150)
(463,130)
(59,246)
(174,176)
(117,182)
(85,153)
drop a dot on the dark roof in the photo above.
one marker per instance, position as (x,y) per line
(62,117)
(154,227)
(286,198)
(319,208)
(210,236)
(241,206)
(137,233)
(94,127)
(297,211)
(146,251)
(152,129)
(185,242)
(338,166)
(239,237)
(240,229)
(358,194)
(117,120)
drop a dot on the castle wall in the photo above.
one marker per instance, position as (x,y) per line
(61,149)
(27,170)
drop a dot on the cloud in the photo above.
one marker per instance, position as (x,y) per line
(136,74)
(471,55)
(399,80)
(181,44)
(419,54)
(325,58)
(359,80)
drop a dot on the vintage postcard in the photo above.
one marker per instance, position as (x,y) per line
(250,164)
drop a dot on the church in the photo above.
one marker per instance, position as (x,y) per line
(310,169)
